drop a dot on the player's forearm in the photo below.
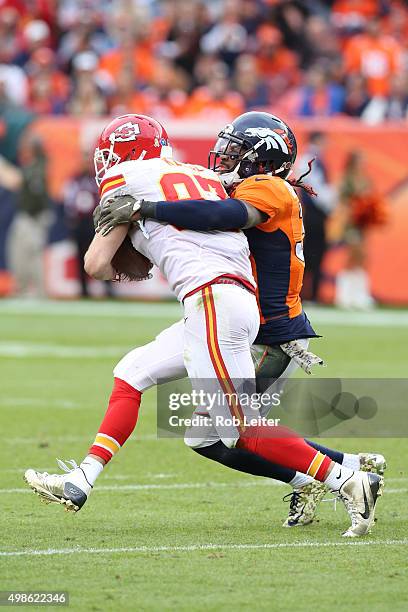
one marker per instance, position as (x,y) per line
(97,261)
(199,215)
(103,272)
(98,267)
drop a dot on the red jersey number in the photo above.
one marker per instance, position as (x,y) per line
(183,186)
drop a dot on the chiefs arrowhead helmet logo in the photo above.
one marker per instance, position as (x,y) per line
(127,131)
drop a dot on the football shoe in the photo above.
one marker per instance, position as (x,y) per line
(360,494)
(303,504)
(70,489)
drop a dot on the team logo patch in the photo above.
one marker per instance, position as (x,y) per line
(274,139)
(127,131)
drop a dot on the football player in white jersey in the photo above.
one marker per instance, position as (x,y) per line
(210,274)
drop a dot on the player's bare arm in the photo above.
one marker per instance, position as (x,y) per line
(98,258)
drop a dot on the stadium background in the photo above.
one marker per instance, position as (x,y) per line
(337,67)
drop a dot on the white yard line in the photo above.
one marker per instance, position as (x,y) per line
(162,487)
(376,318)
(75,439)
(135,310)
(197,547)
(22,402)
(150,475)
(39,349)
(189,485)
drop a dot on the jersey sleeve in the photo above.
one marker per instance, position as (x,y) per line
(138,178)
(113,183)
(264,193)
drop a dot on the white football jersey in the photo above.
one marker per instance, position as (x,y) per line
(188,259)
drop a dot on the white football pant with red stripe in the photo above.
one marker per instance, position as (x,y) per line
(221,323)
(212,347)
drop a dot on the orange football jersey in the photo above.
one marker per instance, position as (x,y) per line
(277,254)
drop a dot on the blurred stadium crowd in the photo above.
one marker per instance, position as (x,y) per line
(218,58)
(207,61)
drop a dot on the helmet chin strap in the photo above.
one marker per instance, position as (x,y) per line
(279,170)
(228,179)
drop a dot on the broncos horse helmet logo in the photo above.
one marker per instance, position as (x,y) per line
(274,139)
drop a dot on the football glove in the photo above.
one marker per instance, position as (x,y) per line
(304,358)
(116,211)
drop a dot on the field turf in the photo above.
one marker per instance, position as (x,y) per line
(166,529)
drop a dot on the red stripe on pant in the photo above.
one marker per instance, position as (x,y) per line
(120,418)
(215,352)
(283,446)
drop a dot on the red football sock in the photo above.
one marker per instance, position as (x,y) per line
(283,446)
(119,421)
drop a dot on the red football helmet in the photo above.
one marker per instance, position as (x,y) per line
(130,137)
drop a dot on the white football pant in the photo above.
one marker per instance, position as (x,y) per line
(184,349)
(212,347)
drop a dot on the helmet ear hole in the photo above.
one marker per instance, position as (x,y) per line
(246,169)
(130,155)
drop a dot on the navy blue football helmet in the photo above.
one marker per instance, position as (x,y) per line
(254,143)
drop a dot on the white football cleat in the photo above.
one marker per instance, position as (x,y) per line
(372,462)
(71,489)
(360,494)
(303,504)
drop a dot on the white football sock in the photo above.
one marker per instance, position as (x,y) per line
(351,461)
(300,480)
(337,477)
(91,468)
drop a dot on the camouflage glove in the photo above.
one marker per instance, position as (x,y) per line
(304,358)
(117,211)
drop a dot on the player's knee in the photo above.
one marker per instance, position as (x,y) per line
(199,443)
(230,442)
(216,451)
(193,442)
(132,370)
(194,439)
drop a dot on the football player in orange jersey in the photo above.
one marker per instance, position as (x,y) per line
(254,156)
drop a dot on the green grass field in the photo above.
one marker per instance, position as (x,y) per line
(166,529)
